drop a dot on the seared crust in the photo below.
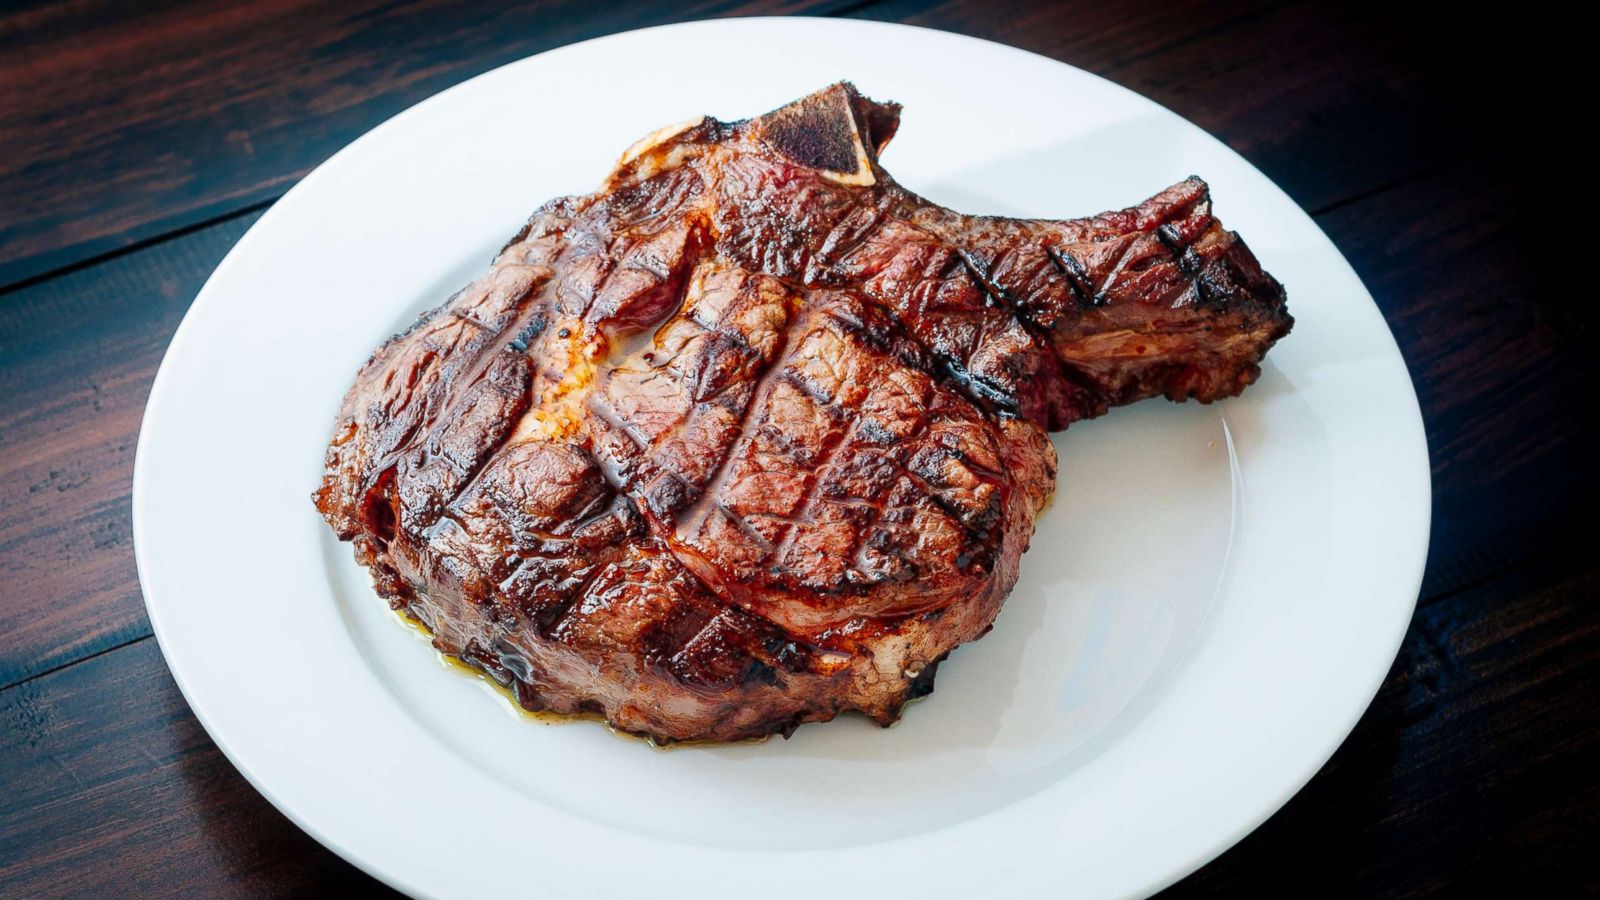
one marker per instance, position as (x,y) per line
(752,435)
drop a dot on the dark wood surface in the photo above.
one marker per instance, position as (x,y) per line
(138,142)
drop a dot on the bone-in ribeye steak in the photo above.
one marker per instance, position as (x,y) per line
(753,435)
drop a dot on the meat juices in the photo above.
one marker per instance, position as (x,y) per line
(752,435)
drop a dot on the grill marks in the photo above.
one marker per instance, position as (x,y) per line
(683,399)
(837,487)
(691,524)
(443,402)
(1000,303)
(1077,278)
(528,333)
(806,515)
(734,340)
(1013,303)
(737,443)
(1167,227)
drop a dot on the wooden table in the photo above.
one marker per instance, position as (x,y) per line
(137,145)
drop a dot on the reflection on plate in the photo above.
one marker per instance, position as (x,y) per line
(1208,605)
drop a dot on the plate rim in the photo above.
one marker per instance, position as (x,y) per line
(383,869)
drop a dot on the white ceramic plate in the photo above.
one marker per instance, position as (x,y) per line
(1209,605)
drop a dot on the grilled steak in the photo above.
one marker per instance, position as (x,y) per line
(752,435)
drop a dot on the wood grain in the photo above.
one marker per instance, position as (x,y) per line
(1457,775)
(109,787)
(1497,373)
(121,121)
(1472,774)
(74,588)
(138,142)
(77,356)
(1504,360)
(1329,100)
